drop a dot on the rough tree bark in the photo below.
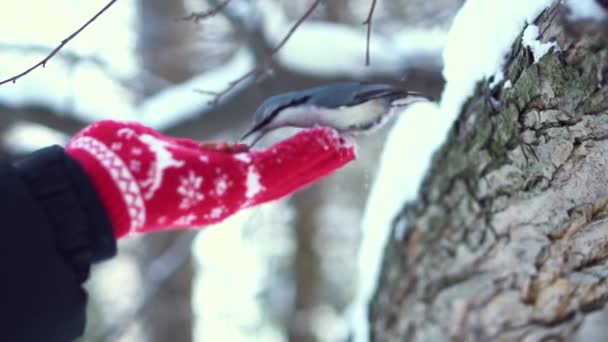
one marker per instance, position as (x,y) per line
(508,239)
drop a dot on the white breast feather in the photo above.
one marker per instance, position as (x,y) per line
(340,118)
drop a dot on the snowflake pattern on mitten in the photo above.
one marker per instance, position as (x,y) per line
(148,181)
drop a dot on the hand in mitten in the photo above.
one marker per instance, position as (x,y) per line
(149,181)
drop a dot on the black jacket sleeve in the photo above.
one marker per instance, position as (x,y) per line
(53,227)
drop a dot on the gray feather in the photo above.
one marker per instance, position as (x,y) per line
(331,96)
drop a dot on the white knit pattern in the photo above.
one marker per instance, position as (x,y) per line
(121,175)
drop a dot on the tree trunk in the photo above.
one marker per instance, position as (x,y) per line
(307,270)
(508,239)
(165,51)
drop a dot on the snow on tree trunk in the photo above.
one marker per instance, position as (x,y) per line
(508,239)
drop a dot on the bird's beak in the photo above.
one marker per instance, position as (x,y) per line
(256,133)
(248,133)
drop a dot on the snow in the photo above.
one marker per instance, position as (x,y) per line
(481,36)
(419,130)
(538,49)
(498,77)
(585,9)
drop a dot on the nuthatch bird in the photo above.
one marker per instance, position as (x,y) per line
(348,107)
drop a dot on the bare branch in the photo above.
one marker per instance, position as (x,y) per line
(295,27)
(218,95)
(63,43)
(368,22)
(198,16)
(69,56)
(72,58)
(268,60)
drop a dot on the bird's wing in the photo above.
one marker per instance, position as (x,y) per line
(382,91)
(354,93)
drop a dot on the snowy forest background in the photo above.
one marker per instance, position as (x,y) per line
(299,269)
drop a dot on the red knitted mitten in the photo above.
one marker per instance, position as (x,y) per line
(149,181)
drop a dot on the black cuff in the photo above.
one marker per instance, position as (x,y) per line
(82,228)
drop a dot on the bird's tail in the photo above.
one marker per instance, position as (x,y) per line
(408,98)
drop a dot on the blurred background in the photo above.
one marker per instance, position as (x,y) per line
(285,271)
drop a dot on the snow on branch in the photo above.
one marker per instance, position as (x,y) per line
(479,41)
(530,41)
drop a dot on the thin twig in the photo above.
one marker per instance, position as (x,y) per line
(295,27)
(267,61)
(217,95)
(72,57)
(198,16)
(368,22)
(43,62)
